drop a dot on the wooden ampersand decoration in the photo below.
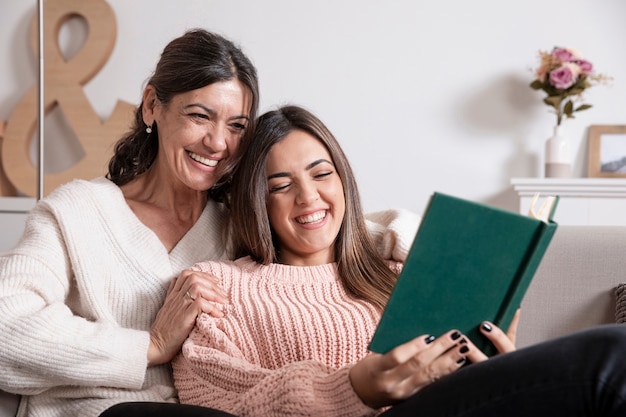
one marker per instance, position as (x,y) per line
(6,188)
(63,81)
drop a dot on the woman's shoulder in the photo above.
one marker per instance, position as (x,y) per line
(230,273)
(288,275)
(77,198)
(215,267)
(82,187)
(393,231)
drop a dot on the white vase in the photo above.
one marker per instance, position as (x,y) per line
(557,156)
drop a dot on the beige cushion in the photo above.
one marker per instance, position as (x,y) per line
(574,287)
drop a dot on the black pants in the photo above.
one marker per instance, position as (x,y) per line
(147,409)
(579,375)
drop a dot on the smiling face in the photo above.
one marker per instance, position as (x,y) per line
(306,202)
(198,131)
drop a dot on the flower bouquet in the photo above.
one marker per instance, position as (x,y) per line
(564,75)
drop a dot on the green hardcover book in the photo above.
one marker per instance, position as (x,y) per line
(469,262)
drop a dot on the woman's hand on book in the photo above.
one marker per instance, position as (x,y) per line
(504,342)
(384,379)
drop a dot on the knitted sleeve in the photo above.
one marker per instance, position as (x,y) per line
(209,377)
(44,342)
(393,232)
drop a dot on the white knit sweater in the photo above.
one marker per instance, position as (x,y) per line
(78,296)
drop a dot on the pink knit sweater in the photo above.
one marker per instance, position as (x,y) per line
(284,347)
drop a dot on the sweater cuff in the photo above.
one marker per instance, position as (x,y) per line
(336,390)
(129,361)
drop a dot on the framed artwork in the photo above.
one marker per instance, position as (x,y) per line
(607,151)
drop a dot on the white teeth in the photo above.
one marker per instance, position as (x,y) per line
(203,160)
(312,218)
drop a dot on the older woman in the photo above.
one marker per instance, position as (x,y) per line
(90,310)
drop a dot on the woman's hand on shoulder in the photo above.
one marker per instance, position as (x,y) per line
(384,379)
(192,293)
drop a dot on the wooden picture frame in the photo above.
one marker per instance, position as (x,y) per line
(607,151)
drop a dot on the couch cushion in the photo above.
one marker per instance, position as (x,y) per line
(574,287)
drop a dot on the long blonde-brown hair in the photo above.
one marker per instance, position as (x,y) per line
(364,274)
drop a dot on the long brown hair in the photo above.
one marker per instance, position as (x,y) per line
(194,60)
(364,274)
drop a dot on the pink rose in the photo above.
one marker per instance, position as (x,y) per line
(586,67)
(564,54)
(564,76)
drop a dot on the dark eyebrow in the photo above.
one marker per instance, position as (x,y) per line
(277,175)
(308,167)
(213,113)
(316,163)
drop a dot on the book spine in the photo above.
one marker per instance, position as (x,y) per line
(527,270)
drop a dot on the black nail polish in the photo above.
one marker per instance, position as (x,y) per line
(487,327)
(462,341)
(455,335)
(462,360)
(464,349)
(429,339)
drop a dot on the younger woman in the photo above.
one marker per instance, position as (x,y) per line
(307,292)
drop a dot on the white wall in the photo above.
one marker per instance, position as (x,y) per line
(424,96)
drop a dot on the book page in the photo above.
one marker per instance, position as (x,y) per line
(546,211)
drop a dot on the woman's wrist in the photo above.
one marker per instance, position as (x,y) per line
(155,355)
(355,375)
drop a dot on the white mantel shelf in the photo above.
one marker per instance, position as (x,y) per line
(13,213)
(571,187)
(16,204)
(583,201)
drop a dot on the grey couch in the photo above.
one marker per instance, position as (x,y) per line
(574,287)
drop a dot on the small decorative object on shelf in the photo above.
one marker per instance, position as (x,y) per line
(557,156)
(563,75)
